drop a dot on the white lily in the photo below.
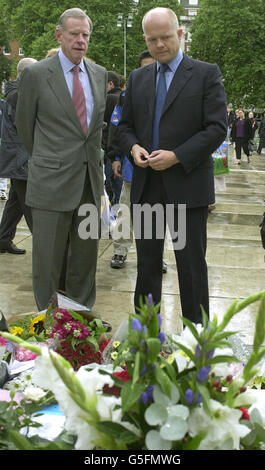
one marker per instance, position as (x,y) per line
(222,426)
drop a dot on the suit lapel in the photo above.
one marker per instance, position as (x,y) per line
(149,86)
(182,75)
(58,84)
(94,78)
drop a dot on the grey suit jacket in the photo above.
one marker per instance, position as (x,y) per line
(60,153)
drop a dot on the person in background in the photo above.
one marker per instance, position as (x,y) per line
(241,134)
(230,119)
(173,119)
(59,118)
(3,181)
(112,185)
(261,134)
(13,165)
(254,126)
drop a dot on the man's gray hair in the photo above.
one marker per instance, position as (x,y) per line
(170,12)
(24,63)
(73,13)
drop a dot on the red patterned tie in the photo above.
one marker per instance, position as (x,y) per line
(79,99)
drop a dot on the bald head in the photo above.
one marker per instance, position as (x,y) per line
(24,63)
(162,34)
(161,13)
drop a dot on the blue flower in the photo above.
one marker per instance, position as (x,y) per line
(203,373)
(198,352)
(189,395)
(199,399)
(150,301)
(210,354)
(161,337)
(147,395)
(137,325)
(159,320)
(143,371)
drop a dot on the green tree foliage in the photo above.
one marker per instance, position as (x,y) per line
(231,33)
(33,24)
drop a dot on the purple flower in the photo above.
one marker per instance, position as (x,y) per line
(198,352)
(161,337)
(143,371)
(210,354)
(203,373)
(145,398)
(159,320)
(189,395)
(136,325)
(147,395)
(199,399)
(150,301)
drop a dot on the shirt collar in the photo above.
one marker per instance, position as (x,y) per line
(67,65)
(174,63)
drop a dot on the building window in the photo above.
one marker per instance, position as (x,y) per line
(193,12)
(193,2)
(20,51)
(6,50)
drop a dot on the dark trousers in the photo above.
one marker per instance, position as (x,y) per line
(113,185)
(14,210)
(240,144)
(261,145)
(190,260)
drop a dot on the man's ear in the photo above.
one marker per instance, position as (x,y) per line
(58,35)
(179,33)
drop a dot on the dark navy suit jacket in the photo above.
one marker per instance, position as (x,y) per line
(193,124)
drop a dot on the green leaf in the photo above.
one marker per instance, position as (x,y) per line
(187,351)
(192,328)
(170,369)
(92,340)
(193,443)
(232,310)
(260,326)
(206,398)
(163,380)
(154,347)
(220,359)
(117,431)
(21,442)
(136,370)
(130,394)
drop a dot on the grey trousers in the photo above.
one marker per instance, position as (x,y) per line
(51,231)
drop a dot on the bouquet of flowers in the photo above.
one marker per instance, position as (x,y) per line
(80,341)
(78,338)
(162,393)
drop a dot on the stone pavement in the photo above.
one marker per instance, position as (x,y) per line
(235,260)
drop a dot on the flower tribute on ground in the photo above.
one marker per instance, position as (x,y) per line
(194,394)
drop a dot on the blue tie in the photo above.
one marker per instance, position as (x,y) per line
(161,93)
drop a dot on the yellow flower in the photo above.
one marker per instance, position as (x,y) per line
(116,344)
(34,323)
(125,351)
(16,330)
(114,355)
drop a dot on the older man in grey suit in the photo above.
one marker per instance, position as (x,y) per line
(60,113)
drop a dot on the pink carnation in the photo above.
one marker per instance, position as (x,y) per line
(24,354)
(2,341)
(62,315)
